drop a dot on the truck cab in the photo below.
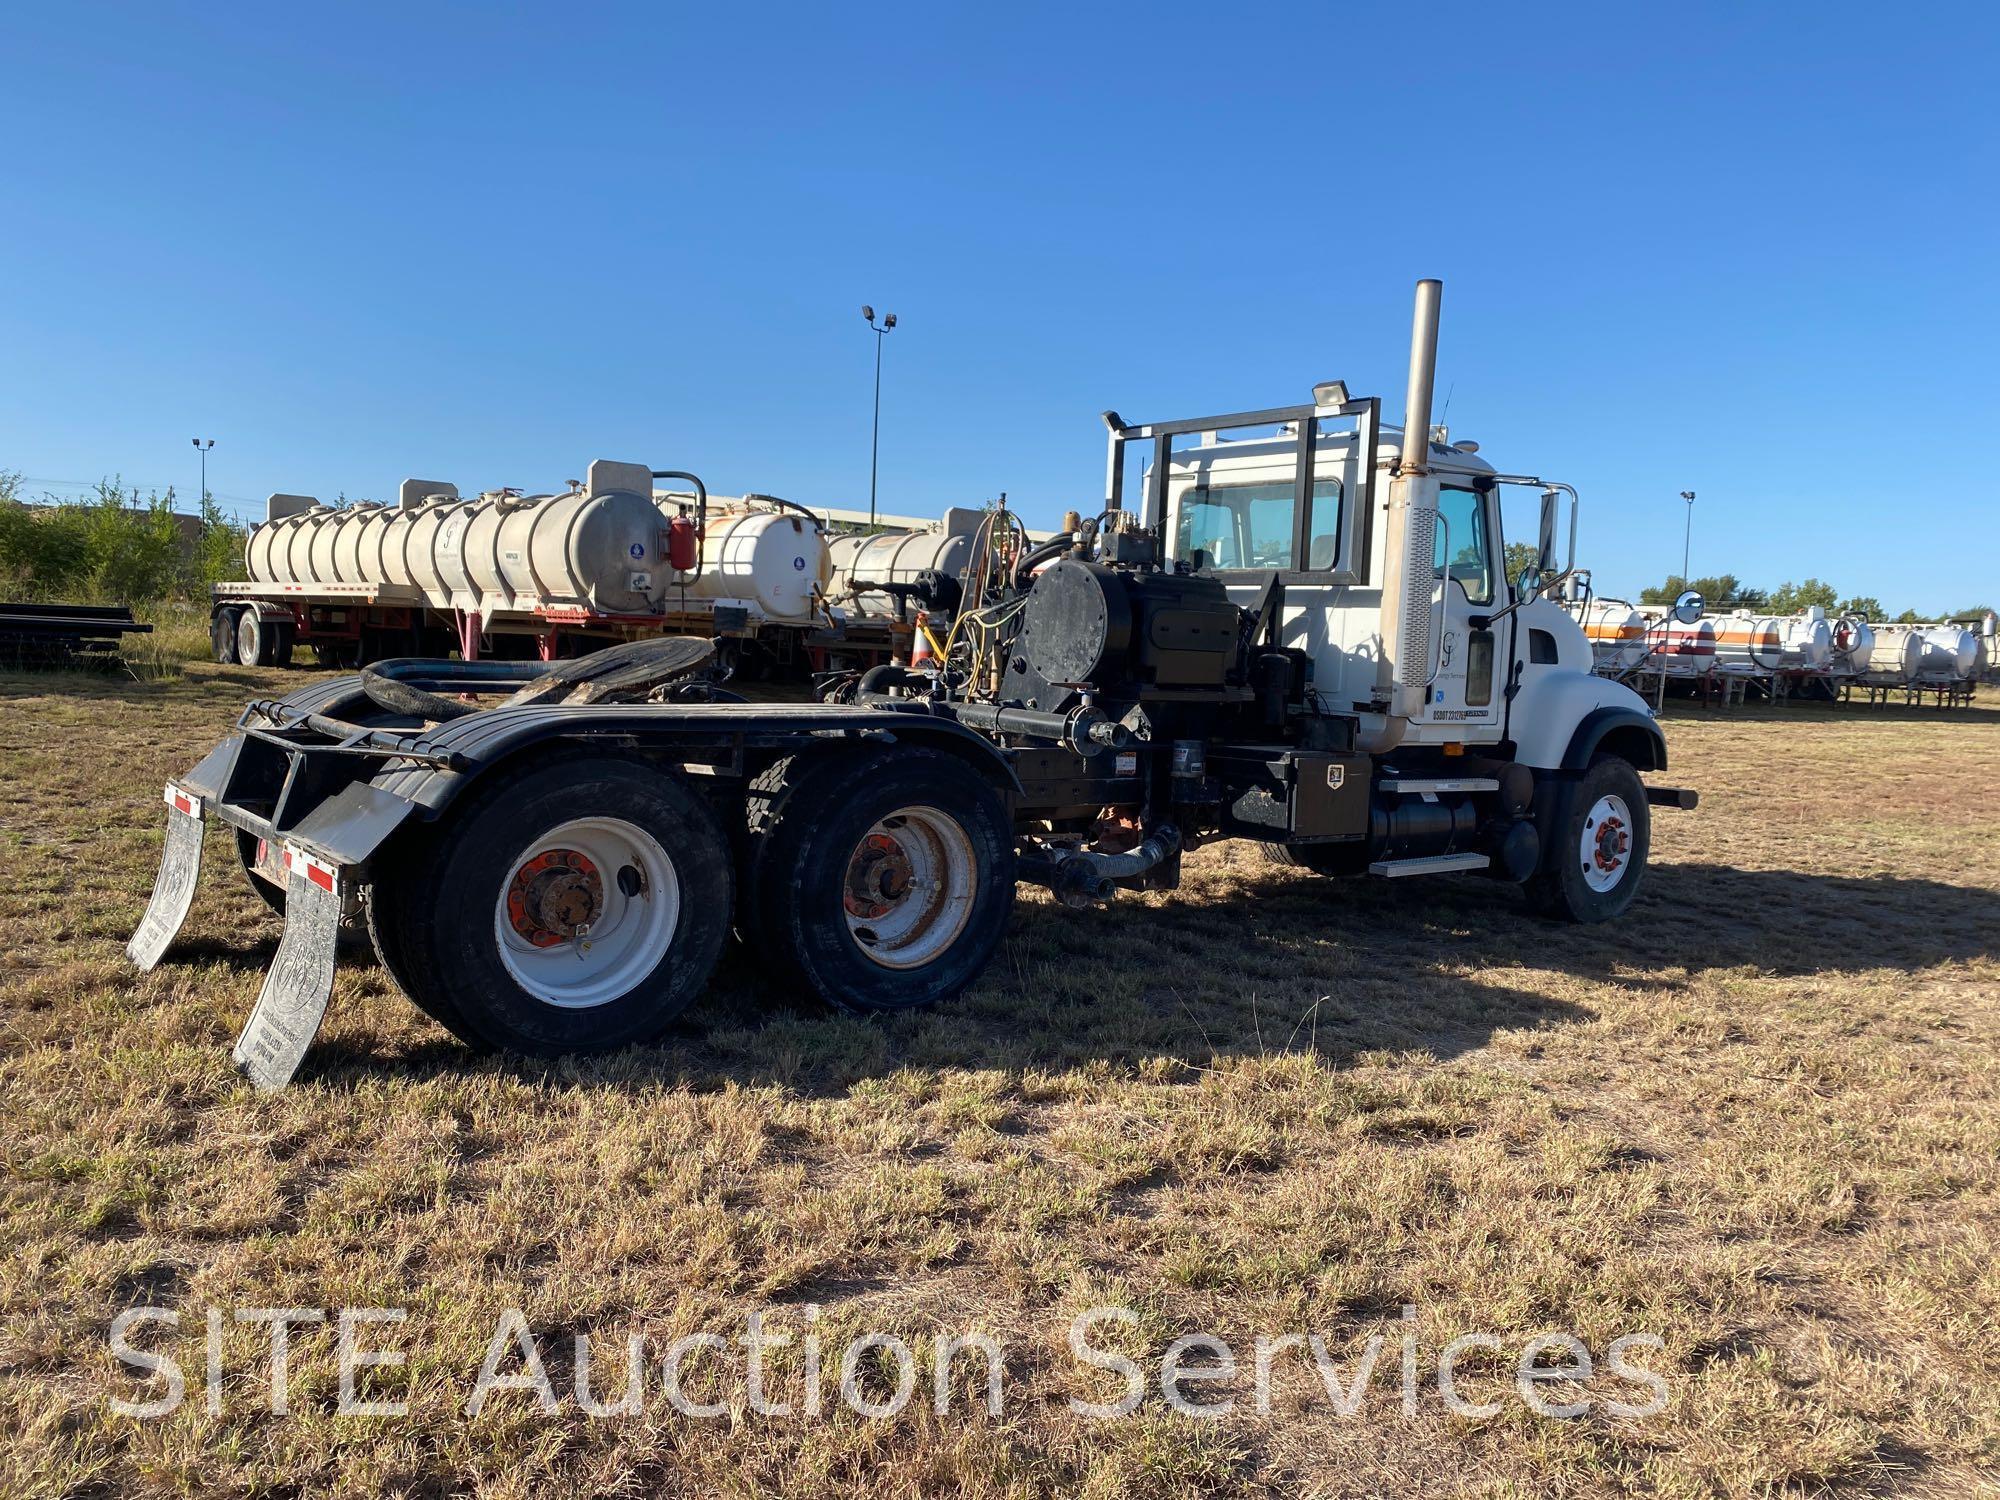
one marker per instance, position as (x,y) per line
(1500,665)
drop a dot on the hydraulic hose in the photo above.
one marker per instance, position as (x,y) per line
(1054,547)
(394,685)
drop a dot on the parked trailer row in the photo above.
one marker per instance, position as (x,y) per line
(787,591)
(1628,639)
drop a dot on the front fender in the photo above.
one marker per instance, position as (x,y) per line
(1633,733)
(1561,713)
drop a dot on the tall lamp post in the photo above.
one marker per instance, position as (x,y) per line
(875,436)
(1687,538)
(202,446)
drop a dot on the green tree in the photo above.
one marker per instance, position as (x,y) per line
(1521,555)
(44,549)
(1722,589)
(1795,598)
(1911,617)
(1866,606)
(218,554)
(134,546)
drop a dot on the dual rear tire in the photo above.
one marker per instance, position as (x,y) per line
(577,907)
(243,636)
(880,882)
(581,906)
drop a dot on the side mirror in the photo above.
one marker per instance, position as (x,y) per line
(1689,607)
(1545,554)
(1528,587)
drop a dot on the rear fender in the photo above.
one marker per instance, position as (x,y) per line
(740,733)
(318,800)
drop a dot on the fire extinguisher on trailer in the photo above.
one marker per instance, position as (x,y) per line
(683,544)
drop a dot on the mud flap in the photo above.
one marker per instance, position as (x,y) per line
(173,888)
(293,1001)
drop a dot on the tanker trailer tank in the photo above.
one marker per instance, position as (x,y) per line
(1616,632)
(898,557)
(1746,642)
(1853,639)
(1675,649)
(594,548)
(1951,654)
(758,553)
(1895,655)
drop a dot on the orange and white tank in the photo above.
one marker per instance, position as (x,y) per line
(1680,650)
(1616,632)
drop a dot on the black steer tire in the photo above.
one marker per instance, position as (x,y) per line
(222,636)
(815,812)
(432,911)
(1561,888)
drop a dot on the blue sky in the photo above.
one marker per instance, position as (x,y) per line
(1744,250)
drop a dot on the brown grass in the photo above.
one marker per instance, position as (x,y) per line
(1758,1118)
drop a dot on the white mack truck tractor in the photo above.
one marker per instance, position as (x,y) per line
(1303,635)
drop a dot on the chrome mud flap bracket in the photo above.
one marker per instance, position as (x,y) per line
(173,888)
(293,1001)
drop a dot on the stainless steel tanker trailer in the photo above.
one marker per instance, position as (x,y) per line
(1303,635)
(527,576)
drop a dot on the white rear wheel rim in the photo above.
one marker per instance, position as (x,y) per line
(591,941)
(1604,849)
(908,887)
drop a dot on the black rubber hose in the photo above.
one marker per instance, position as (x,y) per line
(408,698)
(1040,555)
(881,678)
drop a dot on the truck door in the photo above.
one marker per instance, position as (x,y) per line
(1467,573)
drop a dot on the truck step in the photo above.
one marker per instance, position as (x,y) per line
(1429,786)
(1435,864)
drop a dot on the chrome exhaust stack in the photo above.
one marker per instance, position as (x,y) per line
(1407,584)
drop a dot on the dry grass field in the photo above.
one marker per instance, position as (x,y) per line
(1759,1119)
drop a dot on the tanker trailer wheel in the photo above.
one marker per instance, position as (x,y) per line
(256,640)
(883,882)
(1596,861)
(222,635)
(576,907)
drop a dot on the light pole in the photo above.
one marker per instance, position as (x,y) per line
(1687,538)
(875,435)
(202,447)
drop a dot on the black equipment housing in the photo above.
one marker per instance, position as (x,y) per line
(1130,636)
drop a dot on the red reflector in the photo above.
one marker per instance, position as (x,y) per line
(318,871)
(182,803)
